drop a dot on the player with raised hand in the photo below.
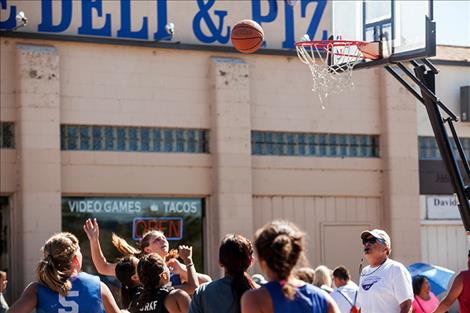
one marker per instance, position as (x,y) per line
(152,242)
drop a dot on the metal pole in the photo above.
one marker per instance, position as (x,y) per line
(459,147)
(442,139)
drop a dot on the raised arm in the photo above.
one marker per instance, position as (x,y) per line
(92,231)
(454,292)
(191,281)
(27,302)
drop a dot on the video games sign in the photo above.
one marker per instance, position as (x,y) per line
(180,219)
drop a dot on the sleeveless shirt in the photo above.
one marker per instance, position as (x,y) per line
(84,297)
(464,297)
(155,303)
(308,299)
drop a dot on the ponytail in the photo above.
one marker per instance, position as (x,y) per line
(280,245)
(55,269)
(123,246)
(236,255)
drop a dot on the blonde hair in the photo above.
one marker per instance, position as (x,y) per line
(306,274)
(322,276)
(55,269)
(126,249)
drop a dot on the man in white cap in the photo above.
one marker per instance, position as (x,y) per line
(384,285)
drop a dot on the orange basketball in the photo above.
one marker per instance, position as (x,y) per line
(247,36)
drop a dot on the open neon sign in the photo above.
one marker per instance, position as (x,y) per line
(171,227)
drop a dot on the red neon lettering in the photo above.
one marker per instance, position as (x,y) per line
(170,228)
(174,229)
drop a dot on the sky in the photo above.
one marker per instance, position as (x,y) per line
(452,22)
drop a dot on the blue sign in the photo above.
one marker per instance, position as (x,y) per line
(209,25)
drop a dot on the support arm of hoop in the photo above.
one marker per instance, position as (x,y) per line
(459,145)
(414,93)
(427,92)
(425,79)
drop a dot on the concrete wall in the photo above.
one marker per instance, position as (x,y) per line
(229,94)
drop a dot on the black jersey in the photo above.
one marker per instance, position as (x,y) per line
(151,301)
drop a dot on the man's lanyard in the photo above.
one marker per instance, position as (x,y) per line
(347,299)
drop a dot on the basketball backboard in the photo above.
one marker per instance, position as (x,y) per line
(404,27)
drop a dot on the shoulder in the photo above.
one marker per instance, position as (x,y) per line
(313,289)
(464,275)
(255,298)
(176,298)
(32,288)
(216,285)
(319,294)
(177,294)
(397,267)
(87,277)
(394,264)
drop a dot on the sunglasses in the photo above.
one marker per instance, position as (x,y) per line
(372,240)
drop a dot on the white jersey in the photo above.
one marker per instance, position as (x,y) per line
(345,296)
(383,288)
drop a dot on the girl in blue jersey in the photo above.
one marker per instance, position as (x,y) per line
(152,242)
(61,287)
(279,246)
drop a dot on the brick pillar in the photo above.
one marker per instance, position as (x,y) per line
(399,152)
(230,136)
(38,148)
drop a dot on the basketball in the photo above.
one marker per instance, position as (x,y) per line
(247,36)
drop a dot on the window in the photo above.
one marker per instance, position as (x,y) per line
(315,145)
(428,149)
(134,139)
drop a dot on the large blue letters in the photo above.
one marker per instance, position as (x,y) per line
(312,28)
(289,26)
(256,11)
(161,33)
(216,31)
(46,12)
(125,31)
(11,21)
(87,21)
(289,41)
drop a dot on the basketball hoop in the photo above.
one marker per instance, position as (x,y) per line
(331,62)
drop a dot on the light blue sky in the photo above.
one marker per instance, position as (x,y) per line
(452,22)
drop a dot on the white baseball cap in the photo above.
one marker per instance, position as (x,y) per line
(379,234)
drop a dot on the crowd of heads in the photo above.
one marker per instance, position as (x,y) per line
(278,245)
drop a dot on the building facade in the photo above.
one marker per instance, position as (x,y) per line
(103,117)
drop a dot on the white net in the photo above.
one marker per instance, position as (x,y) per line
(331,64)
